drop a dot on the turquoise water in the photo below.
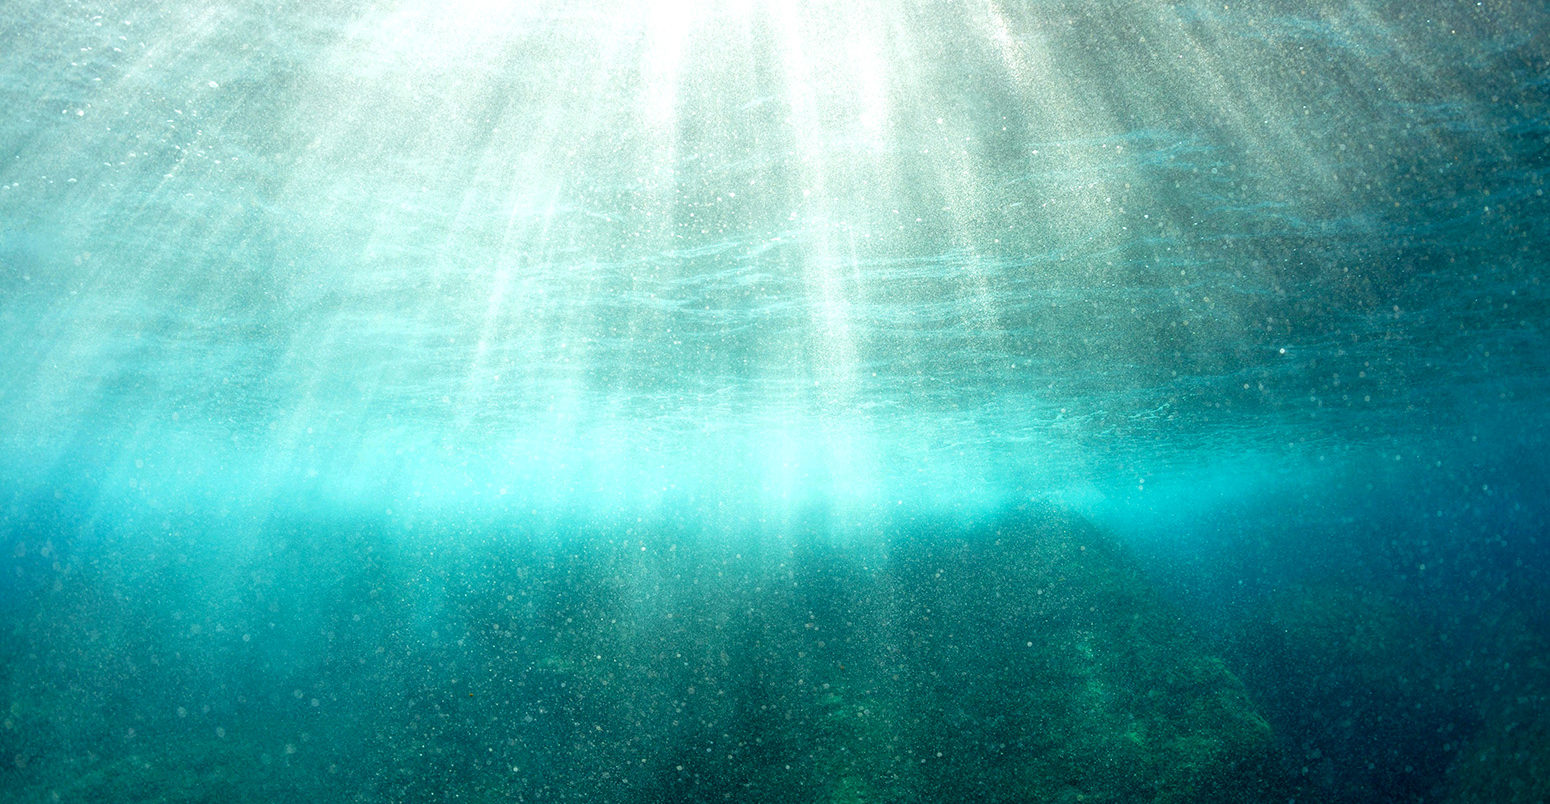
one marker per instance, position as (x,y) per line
(338,331)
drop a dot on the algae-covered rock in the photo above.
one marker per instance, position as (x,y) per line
(1359,686)
(1061,676)
(1507,760)
(1024,661)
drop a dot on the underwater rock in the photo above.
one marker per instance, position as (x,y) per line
(1045,669)
(1021,661)
(1507,760)
(1359,688)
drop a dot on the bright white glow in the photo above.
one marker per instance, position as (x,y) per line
(569,246)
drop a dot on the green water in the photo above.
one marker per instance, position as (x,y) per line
(366,367)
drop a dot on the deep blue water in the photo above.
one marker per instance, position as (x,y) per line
(690,400)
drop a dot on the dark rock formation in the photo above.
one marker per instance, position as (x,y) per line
(1023,661)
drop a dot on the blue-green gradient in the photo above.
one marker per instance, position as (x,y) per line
(1257,289)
